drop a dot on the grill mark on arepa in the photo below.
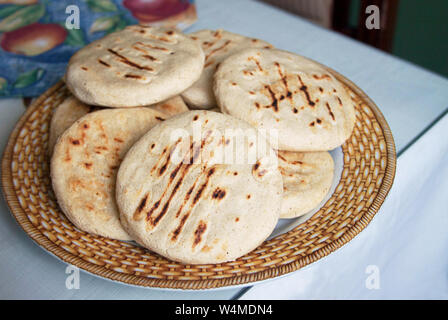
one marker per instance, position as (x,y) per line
(163,168)
(304,89)
(159,160)
(185,168)
(146,54)
(274,102)
(173,175)
(132,76)
(104,63)
(284,81)
(256,62)
(128,62)
(288,161)
(154,37)
(330,111)
(196,198)
(149,57)
(321,77)
(138,212)
(173,192)
(207,57)
(256,171)
(339,100)
(202,226)
(148,45)
(218,193)
(187,197)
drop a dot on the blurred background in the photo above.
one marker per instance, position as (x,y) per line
(414,30)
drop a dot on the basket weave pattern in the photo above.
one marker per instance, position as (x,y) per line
(369,167)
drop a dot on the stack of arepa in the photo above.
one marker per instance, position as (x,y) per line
(205,183)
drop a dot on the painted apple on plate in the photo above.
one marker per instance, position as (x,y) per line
(33,39)
(146,11)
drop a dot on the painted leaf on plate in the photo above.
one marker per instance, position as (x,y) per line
(22,17)
(8,10)
(75,38)
(101,5)
(3,85)
(104,23)
(28,78)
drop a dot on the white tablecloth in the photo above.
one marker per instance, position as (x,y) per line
(403,252)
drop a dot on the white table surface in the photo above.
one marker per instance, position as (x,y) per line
(410,97)
(402,254)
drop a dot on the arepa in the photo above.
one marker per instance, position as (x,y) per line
(217,46)
(277,90)
(178,198)
(138,66)
(85,162)
(70,110)
(307,178)
(171,106)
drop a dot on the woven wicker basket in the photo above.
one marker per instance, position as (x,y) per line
(368,172)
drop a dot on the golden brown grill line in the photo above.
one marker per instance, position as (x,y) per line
(183,168)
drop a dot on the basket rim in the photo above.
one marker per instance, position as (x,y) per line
(203,284)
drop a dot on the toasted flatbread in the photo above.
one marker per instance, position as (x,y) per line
(217,46)
(178,198)
(138,66)
(85,162)
(307,178)
(171,106)
(276,90)
(70,110)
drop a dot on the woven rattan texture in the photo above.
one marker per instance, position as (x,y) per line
(369,168)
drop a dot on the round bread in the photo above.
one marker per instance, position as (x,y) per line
(217,46)
(85,162)
(138,66)
(301,101)
(171,106)
(70,110)
(307,178)
(180,199)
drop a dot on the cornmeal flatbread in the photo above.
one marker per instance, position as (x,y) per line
(307,178)
(85,162)
(70,110)
(138,66)
(179,199)
(286,93)
(217,46)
